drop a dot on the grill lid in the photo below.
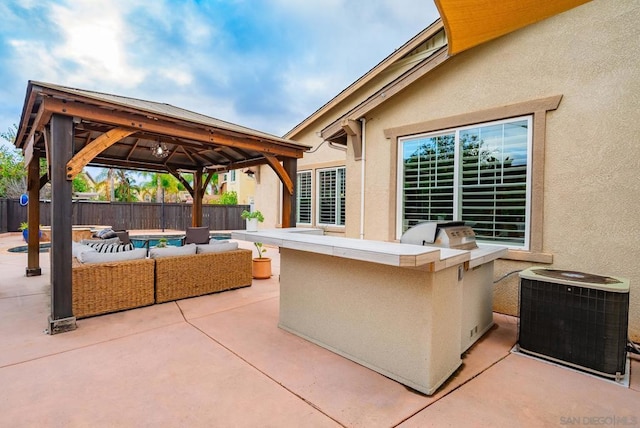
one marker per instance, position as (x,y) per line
(453,234)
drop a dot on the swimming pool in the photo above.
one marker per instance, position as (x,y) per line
(148,241)
(44,248)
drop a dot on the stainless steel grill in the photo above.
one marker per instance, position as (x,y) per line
(453,234)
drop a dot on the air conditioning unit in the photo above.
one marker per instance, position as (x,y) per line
(575,318)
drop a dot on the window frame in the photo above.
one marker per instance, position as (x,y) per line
(536,107)
(457,186)
(318,195)
(298,197)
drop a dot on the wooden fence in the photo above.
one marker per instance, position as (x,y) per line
(125,215)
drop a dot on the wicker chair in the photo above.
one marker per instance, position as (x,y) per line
(100,288)
(180,277)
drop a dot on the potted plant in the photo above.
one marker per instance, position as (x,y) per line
(252,218)
(24,227)
(261,265)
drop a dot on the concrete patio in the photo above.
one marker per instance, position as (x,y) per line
(221,360)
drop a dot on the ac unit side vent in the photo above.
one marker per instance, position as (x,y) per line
(583,326)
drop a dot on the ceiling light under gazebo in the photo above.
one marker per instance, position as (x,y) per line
(160,150)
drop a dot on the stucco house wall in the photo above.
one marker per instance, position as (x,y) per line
(590,56)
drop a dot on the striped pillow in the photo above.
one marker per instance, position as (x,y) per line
(110,248)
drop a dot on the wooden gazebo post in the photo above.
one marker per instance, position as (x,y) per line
(32,159)
(198,193)
(289,197)
(61,151)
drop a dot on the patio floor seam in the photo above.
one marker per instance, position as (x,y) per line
(271,378)
(22,295)
(222,310)
(452,390)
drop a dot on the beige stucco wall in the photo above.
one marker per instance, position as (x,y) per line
(591,56)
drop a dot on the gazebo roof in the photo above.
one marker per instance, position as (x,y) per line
(117,131)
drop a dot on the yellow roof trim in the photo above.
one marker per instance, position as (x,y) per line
(469,23)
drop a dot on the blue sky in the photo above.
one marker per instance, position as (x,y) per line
(263,64)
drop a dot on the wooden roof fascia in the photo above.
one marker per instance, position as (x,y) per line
(27,108)
(389,61)
(386,92)
(92,98)
(41,119)
(207,135)
(94,148)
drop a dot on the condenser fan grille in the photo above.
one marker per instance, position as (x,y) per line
(583,326)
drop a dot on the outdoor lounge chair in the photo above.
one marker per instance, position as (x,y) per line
(196,235)
(123,235)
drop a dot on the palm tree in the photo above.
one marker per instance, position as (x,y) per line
(162,185)
(118,184)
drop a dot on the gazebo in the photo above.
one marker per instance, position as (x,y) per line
(73,128)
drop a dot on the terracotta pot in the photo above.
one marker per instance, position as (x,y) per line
(262,268)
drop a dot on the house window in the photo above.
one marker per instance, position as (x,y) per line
(303,198)
(478,174)
(233,175)
(331,196)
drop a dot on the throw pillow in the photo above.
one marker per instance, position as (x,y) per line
(115,240)
(101,247)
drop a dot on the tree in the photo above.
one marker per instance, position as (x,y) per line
(160,185)
(13,174)
(117,185)
(228,198)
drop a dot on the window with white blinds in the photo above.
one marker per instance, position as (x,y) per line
(479,174)
(331,196)
(303,198)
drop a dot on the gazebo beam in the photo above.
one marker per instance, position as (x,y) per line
(206,135)
(94,148)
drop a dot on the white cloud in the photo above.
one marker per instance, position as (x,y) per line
(94,41)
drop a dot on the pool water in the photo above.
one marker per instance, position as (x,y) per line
(148,241)
(44,248)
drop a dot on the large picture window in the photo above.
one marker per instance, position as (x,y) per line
(331,196)
(479,174)
(303,198)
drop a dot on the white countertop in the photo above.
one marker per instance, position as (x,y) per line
(389,253)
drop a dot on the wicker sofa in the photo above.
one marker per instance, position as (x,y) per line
(180,277)
(100,288)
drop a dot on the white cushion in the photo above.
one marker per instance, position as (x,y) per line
(186,250)
(217,248)
(77,248)
(214,241)
(96,257)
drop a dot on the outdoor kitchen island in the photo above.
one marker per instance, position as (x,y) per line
(394,308)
